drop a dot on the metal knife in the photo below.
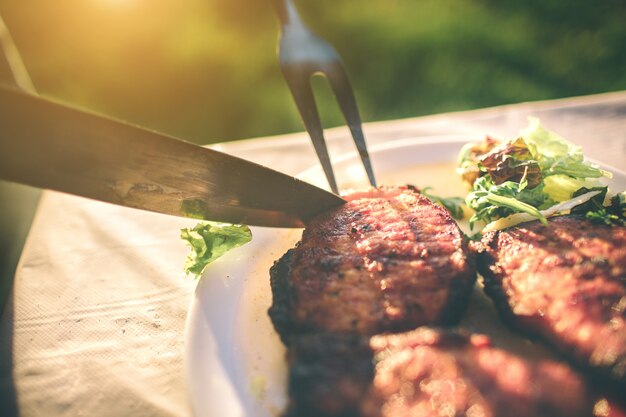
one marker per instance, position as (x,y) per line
(49,145)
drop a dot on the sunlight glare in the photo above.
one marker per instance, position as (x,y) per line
(118,3)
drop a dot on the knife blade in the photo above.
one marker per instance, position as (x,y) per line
(50,145)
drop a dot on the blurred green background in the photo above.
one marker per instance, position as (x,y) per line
(206,70)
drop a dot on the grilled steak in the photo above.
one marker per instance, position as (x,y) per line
(427,372)
(565,283)
(329,374)
(387,260)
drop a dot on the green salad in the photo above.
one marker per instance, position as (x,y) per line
(209,241)
(534,176)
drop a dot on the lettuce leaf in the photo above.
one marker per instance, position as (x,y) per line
(556,156)
(209,241)
(562,187)
(454,205)
(469,157)
(512,162)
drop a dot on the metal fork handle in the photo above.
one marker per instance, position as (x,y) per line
(281,10)
(288,14)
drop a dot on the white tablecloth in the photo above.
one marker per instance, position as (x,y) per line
(95,325)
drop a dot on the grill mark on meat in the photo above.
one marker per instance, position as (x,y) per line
(565,283)
(387,260)
(427,372)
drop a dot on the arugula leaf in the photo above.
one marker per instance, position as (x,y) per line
(556,209)
(491,201)
(594,204)
(597,212)
(618,205)
(453,204)
(209,241)
(604,217)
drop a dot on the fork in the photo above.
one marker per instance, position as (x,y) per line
(303,54)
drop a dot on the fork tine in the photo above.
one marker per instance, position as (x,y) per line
(298,80)
(302,54)
(340,83)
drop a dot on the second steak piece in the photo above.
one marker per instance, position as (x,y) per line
(565,282)
(428,373)
(387,260)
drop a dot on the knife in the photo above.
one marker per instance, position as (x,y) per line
(50,145)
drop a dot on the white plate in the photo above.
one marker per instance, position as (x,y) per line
(234,361)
